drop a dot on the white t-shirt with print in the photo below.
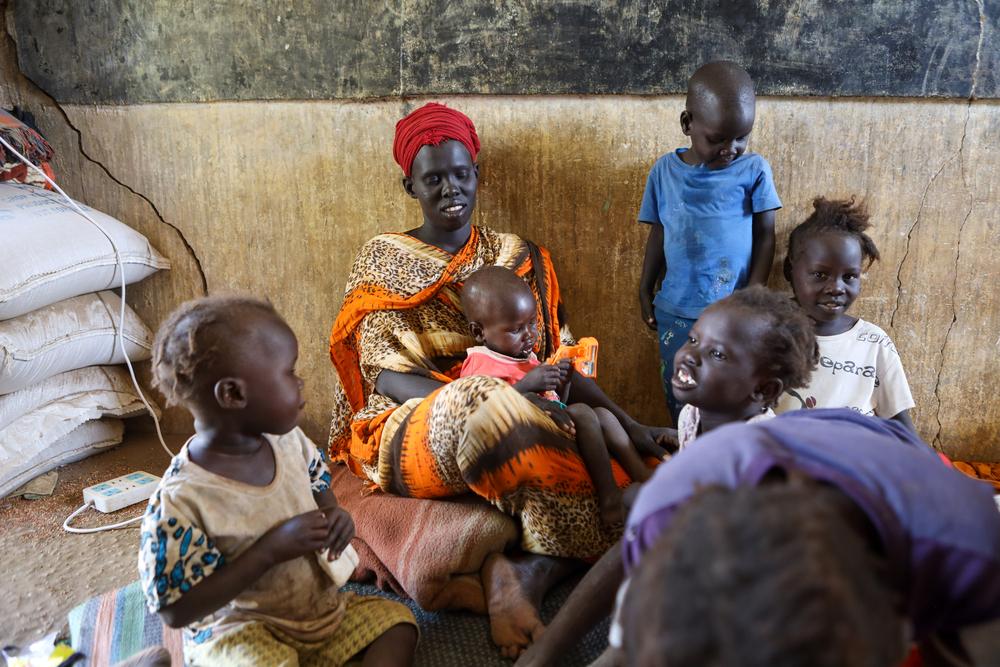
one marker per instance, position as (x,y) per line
(858,369)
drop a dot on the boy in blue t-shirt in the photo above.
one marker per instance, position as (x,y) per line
(711,212)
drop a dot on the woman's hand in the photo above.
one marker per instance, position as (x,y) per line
(298,536)
(340,531)
(544,377)
(401,387)
(555,413)
(655,441)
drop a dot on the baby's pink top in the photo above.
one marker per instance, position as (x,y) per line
(481,360)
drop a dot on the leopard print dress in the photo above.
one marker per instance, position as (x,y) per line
(401,312)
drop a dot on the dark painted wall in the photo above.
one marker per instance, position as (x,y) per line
(132,51)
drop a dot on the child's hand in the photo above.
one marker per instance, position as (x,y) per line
(555,413)
(340,531)
(646,308)
(651,440)
(298,536)
(544,377)
(666,437)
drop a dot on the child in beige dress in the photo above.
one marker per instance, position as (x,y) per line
(243,544)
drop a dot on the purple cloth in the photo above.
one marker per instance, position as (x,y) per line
(940,529)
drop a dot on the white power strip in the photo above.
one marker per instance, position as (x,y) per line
(114,494)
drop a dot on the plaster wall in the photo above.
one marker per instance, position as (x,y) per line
(274,198)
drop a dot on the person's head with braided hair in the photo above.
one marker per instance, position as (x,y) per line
(230,360)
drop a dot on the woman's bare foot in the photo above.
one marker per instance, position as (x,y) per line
(514,589)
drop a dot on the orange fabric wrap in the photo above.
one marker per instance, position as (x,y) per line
(366,298)
(546,273)
(365,438)
(542,467)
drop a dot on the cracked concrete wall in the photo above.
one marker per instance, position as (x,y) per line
(89,181)
(276,197)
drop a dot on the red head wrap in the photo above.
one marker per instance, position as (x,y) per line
(432,124)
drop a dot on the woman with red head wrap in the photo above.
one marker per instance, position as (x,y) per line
(404,423)
(431,125)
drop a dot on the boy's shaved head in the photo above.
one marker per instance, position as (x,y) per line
(720,92)
(488,290)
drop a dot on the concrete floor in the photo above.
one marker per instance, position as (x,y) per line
(48,571)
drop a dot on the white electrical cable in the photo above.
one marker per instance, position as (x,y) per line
(120,330)
(70,529)
(121,272)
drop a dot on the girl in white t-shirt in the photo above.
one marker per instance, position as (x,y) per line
(859,366)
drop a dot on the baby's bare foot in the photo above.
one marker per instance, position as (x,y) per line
(612,511)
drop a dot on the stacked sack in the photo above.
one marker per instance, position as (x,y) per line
(60,399)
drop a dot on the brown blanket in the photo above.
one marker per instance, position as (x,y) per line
(428,550)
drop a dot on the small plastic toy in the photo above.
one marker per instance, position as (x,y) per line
(583,356)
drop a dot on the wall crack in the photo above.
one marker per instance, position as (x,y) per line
(10,53)
(936,441)
(152,206)
(913,227)
(981,9)
(960,156)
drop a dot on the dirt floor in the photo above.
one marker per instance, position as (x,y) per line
(48,571)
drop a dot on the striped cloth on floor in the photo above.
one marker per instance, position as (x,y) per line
(113,626)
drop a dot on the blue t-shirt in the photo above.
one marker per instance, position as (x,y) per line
(707,218)
(940,529)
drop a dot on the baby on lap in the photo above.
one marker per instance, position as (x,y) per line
(503,320)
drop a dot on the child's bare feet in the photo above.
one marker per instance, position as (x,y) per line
(612,510)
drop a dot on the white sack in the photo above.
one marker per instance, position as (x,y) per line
(71,334)
(49,252)
(105,388)
(32,432)
(86,440)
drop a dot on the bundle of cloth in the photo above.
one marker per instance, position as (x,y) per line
(62,392)
(17,127)
(427,550)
